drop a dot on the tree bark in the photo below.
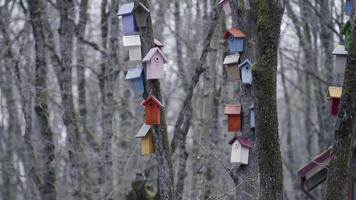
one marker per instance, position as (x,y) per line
(269,16)
(336,186)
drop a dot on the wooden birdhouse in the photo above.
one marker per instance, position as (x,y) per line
(233,112)
(340,56)
(246,72)
(334,95)
(154,63)
(136,78)
(346,31)
(252,117)
(232,67)
(240,149)
(128,19)
(235,39)
(226,6)
(152,110)
(133,43)
(147,146)
(141,15)
(158,44)
(348,8)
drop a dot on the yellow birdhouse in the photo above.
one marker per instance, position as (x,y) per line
(147,146)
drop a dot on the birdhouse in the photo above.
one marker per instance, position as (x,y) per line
(154,63)
(158,44)
(340,55)
(232,67)
(141,15)
(226,6)
(240,149)
(147,146)
(348,8)
(133,43)
(346,31)
(136,78)
(235,39)
(252,117)
(246,72)
(334,95)
(152,110)
(128,19)
(233,112)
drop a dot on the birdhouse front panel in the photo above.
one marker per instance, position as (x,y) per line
(155,67)
(141,16)
(340,63)
(252,119)
(334,106)
(235,152)
(153,112)
(135,53)
(147,146)
(234,123)
(348,8)
(233,72)
(235,44)
(137,85)
(246,74)
(129,24)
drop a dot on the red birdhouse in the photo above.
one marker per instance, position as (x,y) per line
(152,110)
(334,95)
(233,112)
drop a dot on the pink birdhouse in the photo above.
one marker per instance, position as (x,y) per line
(154,63)
(226,6)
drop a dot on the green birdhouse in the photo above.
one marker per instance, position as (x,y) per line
(346,31)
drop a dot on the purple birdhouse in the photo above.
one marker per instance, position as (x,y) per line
(154,63)
(128,19)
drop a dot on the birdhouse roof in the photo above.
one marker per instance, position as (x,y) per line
(143,131)
(152,52)
(231,59)
(321,161)
(339,50)
(222,1)
(152,98)
(245,62)
(128,8)
(158,43)
(131,40)
(234,32)
(334,92)
(243,141)
(134,73)
(232,109)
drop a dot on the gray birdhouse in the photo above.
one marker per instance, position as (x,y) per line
(340,55)
(232,67)
(133,43)
(141,15)
(246,73)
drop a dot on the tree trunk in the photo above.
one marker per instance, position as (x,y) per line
(269,16)
(336,187)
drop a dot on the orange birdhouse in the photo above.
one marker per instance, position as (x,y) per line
(233,112)
(152,110)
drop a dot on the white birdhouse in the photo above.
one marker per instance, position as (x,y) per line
(240,149)
(133,43)
(340,55)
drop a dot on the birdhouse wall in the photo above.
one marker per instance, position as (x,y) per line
(155,67)
(153,113)
(227,8)
(234,123)
(235,44)
(141,17)
(137,85)
(147,146)
(340,63)
(233,72)
(348,8)
(135,53)
(334,106)
(246,75)
(252,119)
(244,155)
(239,154)
(129,24)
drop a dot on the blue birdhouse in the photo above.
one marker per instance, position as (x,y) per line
(252,117)
(235,39)
(348,8)
(128,19)
(136,78)
(245,71)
